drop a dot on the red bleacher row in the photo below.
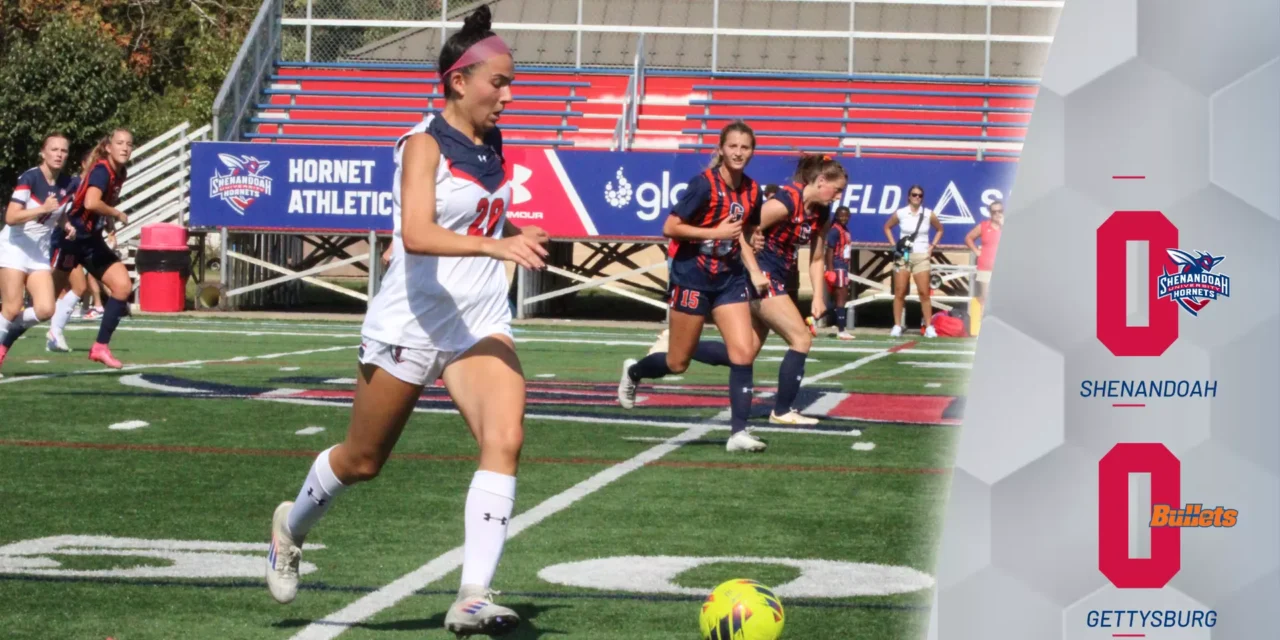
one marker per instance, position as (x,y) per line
(332,104)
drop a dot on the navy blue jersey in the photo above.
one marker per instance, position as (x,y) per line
(109,182)
(706,202)
(838,240)
(31,192)
(781,240)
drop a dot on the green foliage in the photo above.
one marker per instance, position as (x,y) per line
(71,79)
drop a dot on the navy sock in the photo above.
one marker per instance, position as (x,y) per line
(741,381)
(115,309)
(790,373)
(842,318)
(653,365)
(712,353)
(15,331)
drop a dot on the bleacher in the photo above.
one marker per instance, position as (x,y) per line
(372,103)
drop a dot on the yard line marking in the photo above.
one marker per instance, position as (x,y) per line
(171,365)
(857,363)
(938,365)
(367,606)
(602,419)
(932,385)
(309,431)
(129,425)
(863,446)
(622,340)
(825,403)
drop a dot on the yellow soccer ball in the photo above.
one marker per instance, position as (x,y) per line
(742,610)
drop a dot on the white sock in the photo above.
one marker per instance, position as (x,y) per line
(489,504)
(315,497)
(62,312)
(29,318)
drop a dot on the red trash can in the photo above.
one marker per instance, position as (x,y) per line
(163,264)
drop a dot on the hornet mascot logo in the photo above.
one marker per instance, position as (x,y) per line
(243,182)
(1194,284)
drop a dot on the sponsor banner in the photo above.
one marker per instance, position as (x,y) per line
(570,193)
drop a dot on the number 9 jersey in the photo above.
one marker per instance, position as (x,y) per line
(448,303)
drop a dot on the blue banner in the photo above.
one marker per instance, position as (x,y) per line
(573,194)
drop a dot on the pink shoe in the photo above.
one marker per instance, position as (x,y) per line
(102,353)
(4,351)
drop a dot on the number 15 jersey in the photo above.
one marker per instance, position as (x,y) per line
(447,303)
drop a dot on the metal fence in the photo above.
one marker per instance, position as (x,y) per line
(1002,38)
(252,65)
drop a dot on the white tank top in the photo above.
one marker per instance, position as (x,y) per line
(907,222)
(445,303)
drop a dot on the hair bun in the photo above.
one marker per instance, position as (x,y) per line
(480,21)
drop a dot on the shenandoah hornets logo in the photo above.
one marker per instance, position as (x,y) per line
(1193,285)
(243,182)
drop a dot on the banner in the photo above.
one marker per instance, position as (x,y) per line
(571,193)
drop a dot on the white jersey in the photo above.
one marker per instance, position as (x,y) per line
(31,192)
(907,222)
(444,303)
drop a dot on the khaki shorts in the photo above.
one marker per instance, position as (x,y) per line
(984,277)
(919,263)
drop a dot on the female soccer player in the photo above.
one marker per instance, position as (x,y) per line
(94,201)
(796,215)
(709,278)
(32,214)
(917,251)
(442,312)
(839,252)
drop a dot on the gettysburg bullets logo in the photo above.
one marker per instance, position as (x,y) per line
(242,184)
(1193,285)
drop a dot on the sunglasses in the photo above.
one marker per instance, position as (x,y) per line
(916,195)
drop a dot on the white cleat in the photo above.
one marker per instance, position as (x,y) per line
(627,386)
(845,335)
(474,612)
(283,558)
(791,417)
(896,332)
(660,346)
(56,342)
(744,441)
(930,332)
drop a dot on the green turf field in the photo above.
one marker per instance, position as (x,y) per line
(624,519)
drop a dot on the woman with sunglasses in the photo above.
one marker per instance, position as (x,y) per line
(913,251)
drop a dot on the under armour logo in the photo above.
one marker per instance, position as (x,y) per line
(482,158)
(311,493)
(488,517)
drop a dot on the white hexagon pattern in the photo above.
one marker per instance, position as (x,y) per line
(1196,111)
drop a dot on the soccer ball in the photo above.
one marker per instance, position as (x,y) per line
(742,610)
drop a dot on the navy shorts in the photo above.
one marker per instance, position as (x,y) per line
(777,278)
(700,302)
(92,253)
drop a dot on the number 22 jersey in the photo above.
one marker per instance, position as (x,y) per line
(448,303)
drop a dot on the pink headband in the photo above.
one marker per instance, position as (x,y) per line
(488,48)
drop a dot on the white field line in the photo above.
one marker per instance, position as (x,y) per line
(172,365)
(602,419)
(519,340)
(845,368)
(334,624)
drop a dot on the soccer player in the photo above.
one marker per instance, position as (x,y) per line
(94,202)
(794,216)
(441,313)
(34,210)
(914,254)
(709,279)
(839,252)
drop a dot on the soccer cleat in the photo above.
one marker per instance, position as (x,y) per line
(744,441)
(896,332)
(845,335)
(475,613)
(627,386)
(93,314)
(102,353)
(660,345)
(930,332)
(283,558)
(56,342)
(791,417)
(4,351)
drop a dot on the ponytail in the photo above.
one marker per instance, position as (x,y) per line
(811,166)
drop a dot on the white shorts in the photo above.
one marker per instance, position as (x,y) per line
(415,366)
(24,254)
